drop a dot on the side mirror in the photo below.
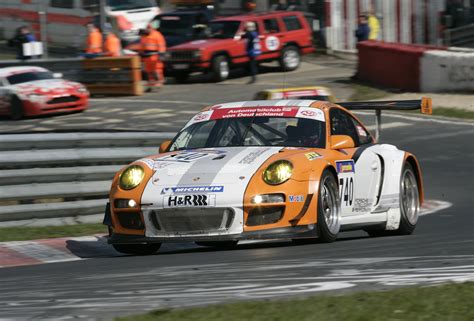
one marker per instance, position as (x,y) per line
(164,146)
(341,142)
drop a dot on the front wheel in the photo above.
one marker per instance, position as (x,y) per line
(290,58)
(137,249)
(329,210)
(220,68)
(409,201)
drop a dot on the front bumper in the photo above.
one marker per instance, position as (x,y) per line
(305,231)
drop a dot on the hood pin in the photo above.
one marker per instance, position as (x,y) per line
(242,177)
(196,179)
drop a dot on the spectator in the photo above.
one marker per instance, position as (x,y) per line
(374,25)
(93,42)
(23,35)
(253,48)
(112,45)
(363,30)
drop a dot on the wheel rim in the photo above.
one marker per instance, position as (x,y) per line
(410,204)
(224,69)
(329,205)
(291,59)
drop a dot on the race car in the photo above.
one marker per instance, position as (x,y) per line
(309,93)
(266,169)
(31,91)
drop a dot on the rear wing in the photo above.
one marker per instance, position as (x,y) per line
(424,105)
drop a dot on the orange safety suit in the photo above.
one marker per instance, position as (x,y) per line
(151,46)
(94,42)
(112,46)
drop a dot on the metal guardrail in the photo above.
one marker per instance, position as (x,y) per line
(66,174)
(462,36)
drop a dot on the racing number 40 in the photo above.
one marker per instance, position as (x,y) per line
(346,190)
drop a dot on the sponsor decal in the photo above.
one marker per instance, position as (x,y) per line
(253,111)
(345,166)
(193,189)
(189,200)
(184,157)
(361,205)
(312,155)
(361,131)
(296,198)
(201,117)
(309,113)
(252,156)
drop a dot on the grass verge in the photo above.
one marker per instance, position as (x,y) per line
(451,302)
(453,112)
(363,92)
(48,232)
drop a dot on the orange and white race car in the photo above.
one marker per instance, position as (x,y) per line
(266,169)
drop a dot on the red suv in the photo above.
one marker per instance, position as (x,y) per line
(284,36)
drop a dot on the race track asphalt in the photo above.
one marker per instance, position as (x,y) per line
(441,250)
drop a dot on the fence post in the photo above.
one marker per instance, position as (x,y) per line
(44,30)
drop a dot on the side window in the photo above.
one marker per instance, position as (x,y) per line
(66,4)
(271,26)
(292,23)
(342,124)
(364,136)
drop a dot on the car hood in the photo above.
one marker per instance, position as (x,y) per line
(48,86)
(202,44)
(220,171)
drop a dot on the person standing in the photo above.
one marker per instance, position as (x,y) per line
(363,30)
(252,48)
(93,42)
(374,25)
(23,35)
(112,45)
(152,45)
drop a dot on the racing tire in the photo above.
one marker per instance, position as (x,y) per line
(219,244)
(329,208)
(137,249)
(290,58)
(181,77)
(16,108)
(409,205)
(220,68)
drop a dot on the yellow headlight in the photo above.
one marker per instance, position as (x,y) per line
(278,172)
(131,177)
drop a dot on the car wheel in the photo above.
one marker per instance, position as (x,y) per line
(219,244)
(181,77)
(409,205)
(137,249)
(329,209)
(16,108)
(220,68)
(409,201)
(290,58)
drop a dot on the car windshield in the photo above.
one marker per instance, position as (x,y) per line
(175,25)
(117,5)
(29,76)
(252,131)
(224,29)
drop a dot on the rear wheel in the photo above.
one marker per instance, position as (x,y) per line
(290,58)
(220,68)
(137,249)
(16,108)
(219,244)
(329,211)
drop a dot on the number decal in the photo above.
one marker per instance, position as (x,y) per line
(346,191)
(346,174)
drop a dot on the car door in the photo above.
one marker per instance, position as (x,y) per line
(271,32)
(359,176)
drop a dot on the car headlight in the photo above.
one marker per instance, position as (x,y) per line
(278,172)
(131,177)
(82,89)
(37,98)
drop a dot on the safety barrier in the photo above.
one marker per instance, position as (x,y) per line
(102,76)
(67,174)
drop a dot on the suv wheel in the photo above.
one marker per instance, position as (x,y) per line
(220,68)
(290,58)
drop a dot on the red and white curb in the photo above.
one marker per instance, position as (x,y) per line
(78,248)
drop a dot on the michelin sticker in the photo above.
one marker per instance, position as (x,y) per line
(192,189)
(345,173)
